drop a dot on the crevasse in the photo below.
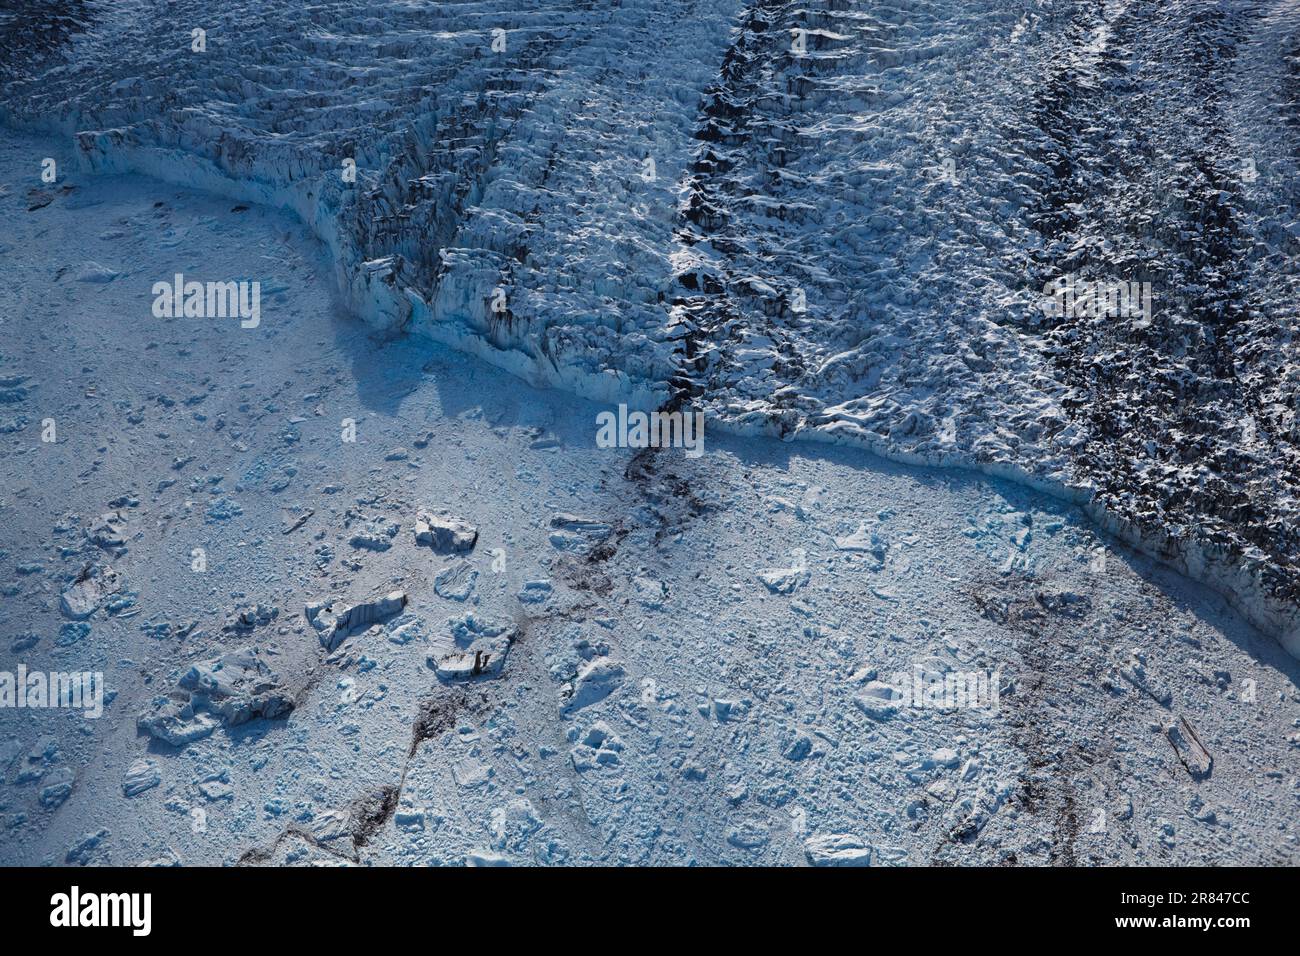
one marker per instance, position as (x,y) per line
(810,221)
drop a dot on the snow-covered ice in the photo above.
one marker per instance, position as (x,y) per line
(364,589)
(811,221)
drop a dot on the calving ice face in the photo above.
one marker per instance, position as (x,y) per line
(209,300)
(651,430)
(75,909)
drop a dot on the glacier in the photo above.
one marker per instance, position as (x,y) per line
(826,228)
(809,221)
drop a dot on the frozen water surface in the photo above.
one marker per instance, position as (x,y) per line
(810,223)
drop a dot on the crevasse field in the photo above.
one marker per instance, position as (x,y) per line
(359,577)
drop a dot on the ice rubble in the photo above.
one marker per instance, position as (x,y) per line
(335,622)
(446,534)
(142,775)
(810,221)
(231,689)
(92,586)
(731,711)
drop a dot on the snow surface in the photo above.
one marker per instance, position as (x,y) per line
(657,701)
(800,265)
(1100,140)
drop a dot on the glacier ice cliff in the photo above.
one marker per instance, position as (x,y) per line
(810,220)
